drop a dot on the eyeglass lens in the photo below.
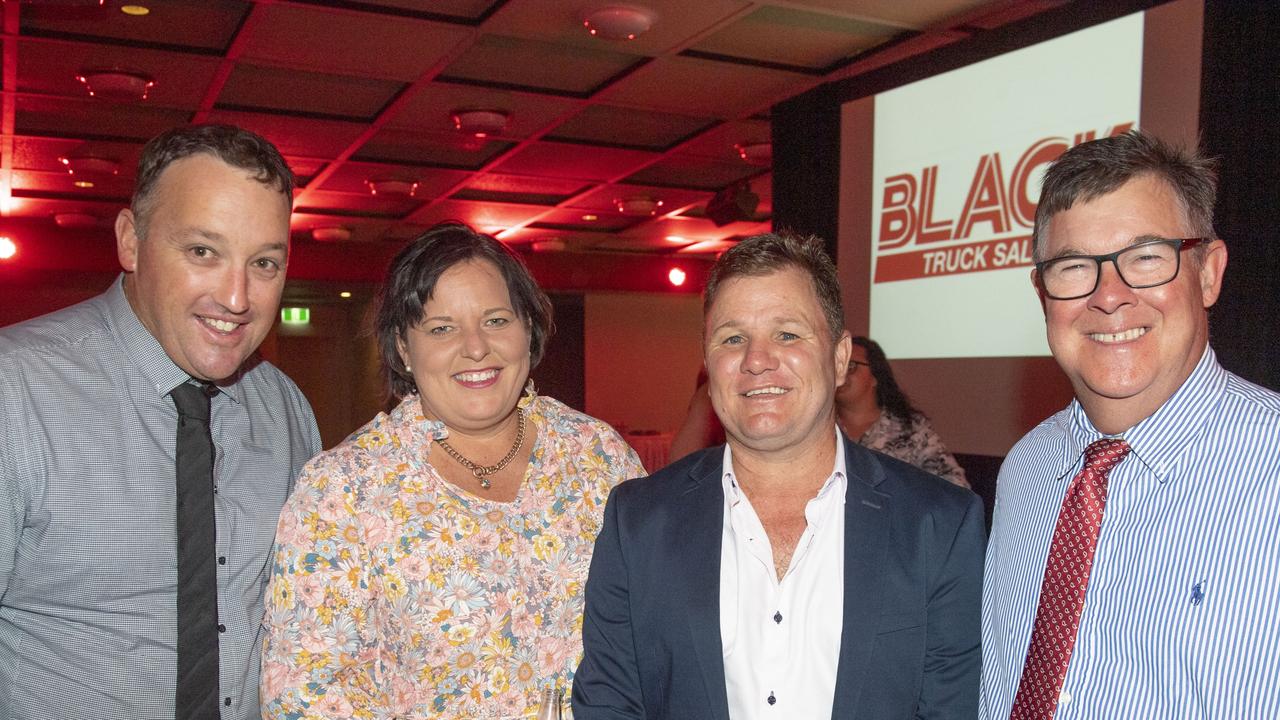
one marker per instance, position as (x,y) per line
(1141,266)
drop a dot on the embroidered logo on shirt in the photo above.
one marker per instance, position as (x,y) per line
(1197,593)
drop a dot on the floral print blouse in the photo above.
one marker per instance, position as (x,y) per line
(915,442)
(396,594)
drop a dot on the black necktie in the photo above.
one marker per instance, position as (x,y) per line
(197,688)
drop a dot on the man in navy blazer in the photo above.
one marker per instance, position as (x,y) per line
(790,573)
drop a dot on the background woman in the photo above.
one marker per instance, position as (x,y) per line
(873,410)
(432,564)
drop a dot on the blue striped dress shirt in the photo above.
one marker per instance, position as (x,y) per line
(1182,615)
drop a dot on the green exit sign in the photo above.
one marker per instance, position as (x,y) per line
(295,315)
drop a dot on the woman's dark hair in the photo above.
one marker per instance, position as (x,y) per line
(889,396)
(411,280)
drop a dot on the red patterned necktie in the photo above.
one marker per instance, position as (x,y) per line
(1066,578)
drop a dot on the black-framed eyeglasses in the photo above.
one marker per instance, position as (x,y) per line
(1144,265)
(853,364)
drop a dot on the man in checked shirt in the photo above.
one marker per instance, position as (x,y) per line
(92,609)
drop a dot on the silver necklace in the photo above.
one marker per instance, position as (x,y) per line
(482,472)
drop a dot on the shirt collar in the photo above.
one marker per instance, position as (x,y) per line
(145,353)
(835,482)
(1158,440)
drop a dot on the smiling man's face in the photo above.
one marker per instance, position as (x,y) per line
(771,362)
(1128,350)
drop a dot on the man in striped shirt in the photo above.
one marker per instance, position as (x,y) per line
(1160,598)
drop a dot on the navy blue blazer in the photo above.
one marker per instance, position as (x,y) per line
(910,643)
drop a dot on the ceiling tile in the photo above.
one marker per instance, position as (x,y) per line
(270,88)
(690,171)
(364,204)
(103,212)
(915,15)
(509,61)
(795,37)
(362,229)
(571,220)
(704,87)
(42,153)
(496,182)
(294,135)
(41,115)
(719,142)
(484,216)
(195,23)
(348,43)
(561,22)
(352,177)
(604,200)
(470,10)
(630,127)
(61,184)
(568,160)
(449,149)
(430,107)
(49,67)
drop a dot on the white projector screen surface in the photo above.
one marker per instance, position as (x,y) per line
(955,174)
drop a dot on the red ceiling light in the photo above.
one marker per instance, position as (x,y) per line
(550,245)
(8,248)
(116,84)
(75,220)
(677,276)
(638,205)
(392,187)
(480,122)
(760,153)
(618,22)
(86,163)
(330,233)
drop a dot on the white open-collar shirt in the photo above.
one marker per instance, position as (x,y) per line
(781,639)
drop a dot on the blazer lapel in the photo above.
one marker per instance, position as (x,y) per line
(697,550)
(866,532)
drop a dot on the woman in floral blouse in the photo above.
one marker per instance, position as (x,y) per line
(431,566)
(874,411)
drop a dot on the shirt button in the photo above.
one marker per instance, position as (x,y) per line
(1064,697)
(222,628)
(777,617)
(222,560)
(771,700)
(226,701)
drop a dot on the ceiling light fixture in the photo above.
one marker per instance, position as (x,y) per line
(638,205)
(330,233)
(116,84)
(83,183)
(676,276)
(552,245)
(135,10)
(8,248)
(344,294)
(757,153)
(75,220)
(618,22)
(392,187)
(85,163)
(479,122)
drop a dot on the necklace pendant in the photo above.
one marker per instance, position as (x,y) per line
(484,483)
